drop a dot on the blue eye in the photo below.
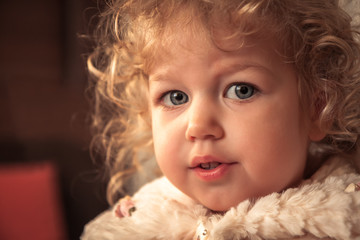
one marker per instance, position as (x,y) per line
(240,91)
(175,98)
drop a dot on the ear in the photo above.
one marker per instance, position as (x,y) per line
(317,129)
(316,132)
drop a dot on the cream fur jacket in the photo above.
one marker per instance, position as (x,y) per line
(326,206)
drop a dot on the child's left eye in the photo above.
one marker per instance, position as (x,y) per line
(240,91)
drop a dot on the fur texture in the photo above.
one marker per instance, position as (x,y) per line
(318,209)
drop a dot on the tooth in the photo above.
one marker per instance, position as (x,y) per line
(205,165)
(214,165)
(209,166)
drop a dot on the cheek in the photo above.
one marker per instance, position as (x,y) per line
(287,132)
(167,138)
(272,140)
(169,151)
(159,137)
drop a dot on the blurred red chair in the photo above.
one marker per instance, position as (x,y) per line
(29,203)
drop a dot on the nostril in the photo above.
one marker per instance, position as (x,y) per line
(190,138)
(201,132)
(203,121)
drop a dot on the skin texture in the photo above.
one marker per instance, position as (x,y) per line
(261,140)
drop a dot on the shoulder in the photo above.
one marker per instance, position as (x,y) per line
(102,227)
(161,211)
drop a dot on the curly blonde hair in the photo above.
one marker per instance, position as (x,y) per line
(316,36)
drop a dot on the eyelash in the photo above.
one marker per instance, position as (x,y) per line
(160,100)
(171,95)
(254,90)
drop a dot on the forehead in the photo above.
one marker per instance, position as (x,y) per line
(225,52)
(177,37)
(194,37)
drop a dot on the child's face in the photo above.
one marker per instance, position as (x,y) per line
(227,126)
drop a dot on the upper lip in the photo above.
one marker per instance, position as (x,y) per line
(196,161)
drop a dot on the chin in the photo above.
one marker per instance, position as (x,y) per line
(220,207)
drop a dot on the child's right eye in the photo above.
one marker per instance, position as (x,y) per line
(174,98)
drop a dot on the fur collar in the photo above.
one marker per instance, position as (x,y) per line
(318,209)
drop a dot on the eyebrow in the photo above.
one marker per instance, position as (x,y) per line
(231,68)
(225,69)
(160,75)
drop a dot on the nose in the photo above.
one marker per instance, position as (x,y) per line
(203,122)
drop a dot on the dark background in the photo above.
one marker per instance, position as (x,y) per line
(44,111)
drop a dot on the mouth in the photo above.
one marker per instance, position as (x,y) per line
(209,165)
(210,169)
(207,162)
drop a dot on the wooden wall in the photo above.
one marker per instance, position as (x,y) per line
(44,114)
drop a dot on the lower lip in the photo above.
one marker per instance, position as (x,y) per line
(212,174)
